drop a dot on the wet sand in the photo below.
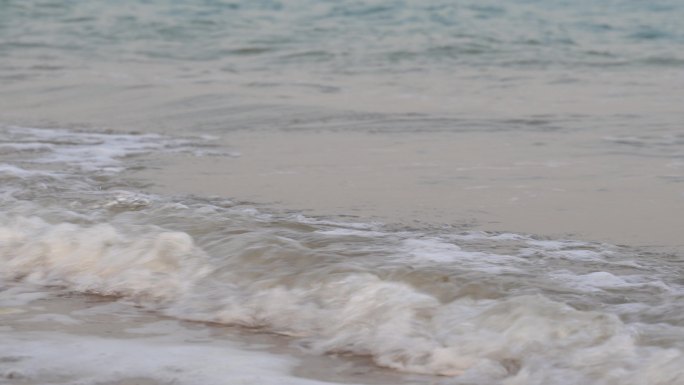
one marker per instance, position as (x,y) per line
(530,183)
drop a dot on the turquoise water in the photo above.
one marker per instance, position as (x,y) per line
(517,61)
(351,36)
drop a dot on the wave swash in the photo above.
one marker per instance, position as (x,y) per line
(482,307)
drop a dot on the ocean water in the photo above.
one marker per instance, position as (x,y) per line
(371,192)
(351,37)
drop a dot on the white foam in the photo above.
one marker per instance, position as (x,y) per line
(589,282)
(602,280)
(519,339)
(167,327)
(98,258)
(92,151)
(19,172)
(53,318)
(20,295)
(88,151)
(482,235)
(345,232)
(436,250)
(337,224)
(52,358)
(128,200)
(24,147)
(555,244)
(579,255)
(107,308)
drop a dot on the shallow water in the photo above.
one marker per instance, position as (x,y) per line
(484,307)
(382,192)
